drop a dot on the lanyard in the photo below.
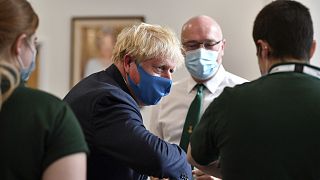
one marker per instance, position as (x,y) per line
(297,67)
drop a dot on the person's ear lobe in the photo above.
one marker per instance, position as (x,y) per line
(263,49)
(19,44)
(263,52)
(313,48)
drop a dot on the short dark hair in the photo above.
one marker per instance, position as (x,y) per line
(287,27)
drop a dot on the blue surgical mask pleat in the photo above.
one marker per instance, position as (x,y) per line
(26,71)
(201,63)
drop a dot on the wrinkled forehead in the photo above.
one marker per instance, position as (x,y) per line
(161,61)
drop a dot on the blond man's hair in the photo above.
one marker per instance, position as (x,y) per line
(146,41)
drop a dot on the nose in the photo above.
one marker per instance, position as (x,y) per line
(201,45)
(167,74)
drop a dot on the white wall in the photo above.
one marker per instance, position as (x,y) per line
(314,7)
(235,17)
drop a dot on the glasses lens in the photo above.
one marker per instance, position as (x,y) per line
(210,44)
(192,45)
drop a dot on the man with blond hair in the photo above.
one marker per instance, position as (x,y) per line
(108,103)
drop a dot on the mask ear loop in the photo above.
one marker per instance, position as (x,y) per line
(10,73)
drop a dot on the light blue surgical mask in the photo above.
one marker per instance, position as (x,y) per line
(26,71)
(150,89)
(201,63)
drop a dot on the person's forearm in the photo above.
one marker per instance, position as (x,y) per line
(211,169)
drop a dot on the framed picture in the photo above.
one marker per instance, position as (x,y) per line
(92,40)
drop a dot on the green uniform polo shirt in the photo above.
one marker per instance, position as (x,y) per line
(265,129)
(36,129)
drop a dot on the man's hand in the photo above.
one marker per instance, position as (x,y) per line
(199,175)
(154,178)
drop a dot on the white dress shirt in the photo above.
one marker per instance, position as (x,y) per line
(168,117)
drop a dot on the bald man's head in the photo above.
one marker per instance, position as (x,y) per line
(201,28)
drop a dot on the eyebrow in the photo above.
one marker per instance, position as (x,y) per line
(195,41)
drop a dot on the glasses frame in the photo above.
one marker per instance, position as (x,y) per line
(208,44)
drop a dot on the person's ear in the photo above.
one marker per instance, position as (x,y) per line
(19,44)
(313,48)
(127,60)
(263,49)
(222,47)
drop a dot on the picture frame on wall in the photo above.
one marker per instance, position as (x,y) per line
(92,40)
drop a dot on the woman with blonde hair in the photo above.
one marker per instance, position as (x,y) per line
(39,135)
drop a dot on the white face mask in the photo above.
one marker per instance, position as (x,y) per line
(26,71)
(201,63)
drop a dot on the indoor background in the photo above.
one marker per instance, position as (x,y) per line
(235,17)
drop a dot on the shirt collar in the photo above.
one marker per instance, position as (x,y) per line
(212,84)
(116,79)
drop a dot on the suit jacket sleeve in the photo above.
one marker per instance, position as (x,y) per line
(134,145)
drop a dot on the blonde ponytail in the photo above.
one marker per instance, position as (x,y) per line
(11,74)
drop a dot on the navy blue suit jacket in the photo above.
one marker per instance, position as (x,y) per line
(120,146)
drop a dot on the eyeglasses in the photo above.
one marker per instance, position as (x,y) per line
(192,45)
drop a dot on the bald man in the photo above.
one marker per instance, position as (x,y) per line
(204,44)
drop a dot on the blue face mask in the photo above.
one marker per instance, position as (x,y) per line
(26,71)
(150,88)
(201,63)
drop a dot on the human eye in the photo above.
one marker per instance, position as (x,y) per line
(159,69)
(191,45)
(164,69)
(36,43)
(34,39)
(210,43)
